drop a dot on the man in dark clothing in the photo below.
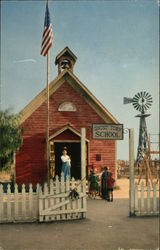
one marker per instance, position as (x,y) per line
(104,189)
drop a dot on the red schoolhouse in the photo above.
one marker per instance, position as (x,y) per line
(72,106)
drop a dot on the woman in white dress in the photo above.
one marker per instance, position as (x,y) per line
(66,164)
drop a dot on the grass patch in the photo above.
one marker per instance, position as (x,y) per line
(117,187)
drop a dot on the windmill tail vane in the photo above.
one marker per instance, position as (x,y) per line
(127,100)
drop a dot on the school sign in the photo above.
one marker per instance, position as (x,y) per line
(107,131)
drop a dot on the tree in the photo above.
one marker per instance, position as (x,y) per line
(10,137)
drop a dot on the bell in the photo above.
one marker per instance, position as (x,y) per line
(65,64)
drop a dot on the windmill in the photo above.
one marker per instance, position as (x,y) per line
(142,102)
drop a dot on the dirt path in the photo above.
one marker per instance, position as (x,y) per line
(123,192)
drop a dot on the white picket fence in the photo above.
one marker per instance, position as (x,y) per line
(43,204)
(19,206)
(146,199)
(56,204)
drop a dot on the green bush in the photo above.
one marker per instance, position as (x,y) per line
(116,188)
(10,137)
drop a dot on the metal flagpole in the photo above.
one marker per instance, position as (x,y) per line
(47,121)
(46,44)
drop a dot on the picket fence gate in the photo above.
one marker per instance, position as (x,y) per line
(146,202)
(56,204)
(43,204)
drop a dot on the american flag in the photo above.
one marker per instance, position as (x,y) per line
(47,38)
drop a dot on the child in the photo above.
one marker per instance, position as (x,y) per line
(99,181)
(93,187)
(110,185)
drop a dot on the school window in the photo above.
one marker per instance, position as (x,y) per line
(98,157)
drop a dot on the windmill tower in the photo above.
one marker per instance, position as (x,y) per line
(141,102)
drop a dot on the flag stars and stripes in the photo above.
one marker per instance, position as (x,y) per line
(47,38)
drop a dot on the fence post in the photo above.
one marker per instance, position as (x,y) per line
(57,192)
(46,192)
(16,202)
(67,191)
(83,153)
(131,169)
(23,201)
(9,202)
(136,197)
(154,198)
(63,216)
(148,198)
(83,166)
(30,201)
(37,197)
(41,217)
(1,202)
(51,198)
(142,197)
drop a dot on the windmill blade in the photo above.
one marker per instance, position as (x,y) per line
(149,98)
(135,99)
(149,102)
(136,96)
(136,105)
(147,94)
(146,106)
(144,93)
(141,94)
(127,100)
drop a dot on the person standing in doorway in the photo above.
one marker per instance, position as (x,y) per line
(66,164)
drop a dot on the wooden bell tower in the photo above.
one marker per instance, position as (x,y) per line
(65,60)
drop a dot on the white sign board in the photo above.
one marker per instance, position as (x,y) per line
(107,131)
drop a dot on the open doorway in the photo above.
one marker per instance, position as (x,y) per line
(74,151)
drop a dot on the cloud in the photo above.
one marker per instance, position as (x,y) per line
(25,60)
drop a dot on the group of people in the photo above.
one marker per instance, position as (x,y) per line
(101,184)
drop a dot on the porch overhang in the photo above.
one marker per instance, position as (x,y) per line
(67,127)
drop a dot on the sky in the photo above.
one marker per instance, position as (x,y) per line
(116,43)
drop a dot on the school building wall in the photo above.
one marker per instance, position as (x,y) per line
(30,160)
